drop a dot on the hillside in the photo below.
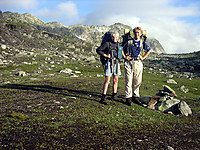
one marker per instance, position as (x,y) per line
(90,33)
(50,91)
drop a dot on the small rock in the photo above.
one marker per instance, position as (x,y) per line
(169,76)
(66,70)
(3,46)
(73,75)
(21,74)
(33,79)
(139,140)
(170,148)
(172,81)
(1,56)
(47,58)
(99,75)
(183,89)
(1,62)
(61,107)
(76,72)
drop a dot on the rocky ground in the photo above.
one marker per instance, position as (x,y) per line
(50,93)
(65,113)
(50,100)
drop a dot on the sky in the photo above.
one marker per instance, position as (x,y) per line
(174,23)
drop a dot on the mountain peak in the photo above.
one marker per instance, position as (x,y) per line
(91,33)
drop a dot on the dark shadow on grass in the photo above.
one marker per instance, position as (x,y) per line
(55,90)
(82,94)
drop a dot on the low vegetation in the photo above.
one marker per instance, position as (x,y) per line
(47,109)
(62,112)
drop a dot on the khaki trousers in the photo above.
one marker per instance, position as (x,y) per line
(133,77)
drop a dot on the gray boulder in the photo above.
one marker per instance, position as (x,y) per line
(184,108)
(183,89)
(172,81)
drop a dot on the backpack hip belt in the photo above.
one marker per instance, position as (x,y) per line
(134,59)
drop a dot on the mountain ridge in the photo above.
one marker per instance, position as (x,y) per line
(90,33)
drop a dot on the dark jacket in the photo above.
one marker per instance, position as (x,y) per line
(107,47)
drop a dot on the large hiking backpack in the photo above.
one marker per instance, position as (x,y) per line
(129,34)
(107,38)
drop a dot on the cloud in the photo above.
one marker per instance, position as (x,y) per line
(65,13)
(175,36)
(162,19)
(48,13)
(18,4)
(69,9)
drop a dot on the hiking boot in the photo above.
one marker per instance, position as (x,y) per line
(114,97)
(103,100)
(137,101)
(128,101)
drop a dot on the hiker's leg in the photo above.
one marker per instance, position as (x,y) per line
(105,88)
(137,79)
(128,79)
(105,85)
(116,74)
(115,84)
(108,75)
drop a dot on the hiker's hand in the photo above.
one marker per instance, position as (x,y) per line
(107,55)
(128,57)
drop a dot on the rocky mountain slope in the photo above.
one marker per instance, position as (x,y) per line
(22,39)
(89,33)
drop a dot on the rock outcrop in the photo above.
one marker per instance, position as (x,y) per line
(22,40)
(89,33)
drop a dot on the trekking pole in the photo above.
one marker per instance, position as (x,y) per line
(112,61)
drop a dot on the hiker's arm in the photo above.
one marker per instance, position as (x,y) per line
(102,50)
(145,55)
(147,49)
(106,55)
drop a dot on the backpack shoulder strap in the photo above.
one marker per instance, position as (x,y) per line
(141,46)
(141,43)
(131,41)
(110,47)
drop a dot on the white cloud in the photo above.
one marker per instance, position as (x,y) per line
(18,4)
(47,13)
(161,18)
(65,13)
(110,19)
(175,36)
(69,9)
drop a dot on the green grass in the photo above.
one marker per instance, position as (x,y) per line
(64,113)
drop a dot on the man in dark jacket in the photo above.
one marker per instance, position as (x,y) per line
(112,67)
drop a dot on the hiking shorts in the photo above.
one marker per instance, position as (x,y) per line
(109,71)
